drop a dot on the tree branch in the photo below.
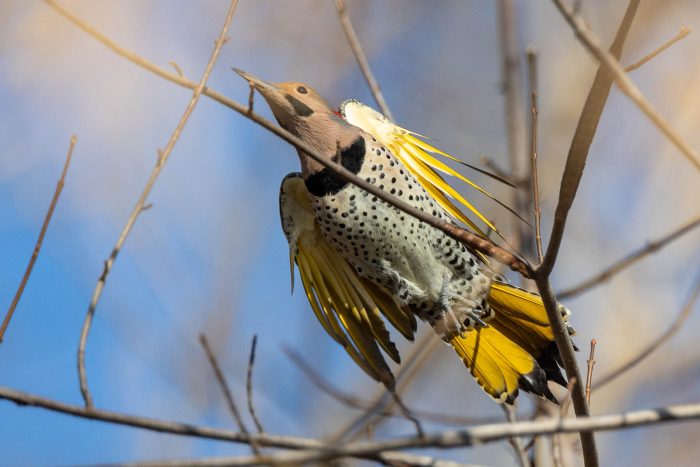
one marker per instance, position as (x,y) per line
(632,258)
(249,386)
(611,63)
(39,241)
(361,58)
(228,395)
(314,450)
(139,207)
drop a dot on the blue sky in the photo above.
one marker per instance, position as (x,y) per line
(210,255)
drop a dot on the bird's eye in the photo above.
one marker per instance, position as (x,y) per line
(302,90)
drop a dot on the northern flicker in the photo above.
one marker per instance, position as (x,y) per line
(362,260)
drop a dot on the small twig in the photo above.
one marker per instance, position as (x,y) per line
(360,404)
(251,98)
(223,384)
(39,241)
(573,171)
(532,73)
(138,208)
(515,115)
(228,395)
(515,441)
(681,34)
(675,326)
(629,260)
(361,58)
(174,64)
(249,385)
(410,416)
(382,401)
(589,372)
(612,66)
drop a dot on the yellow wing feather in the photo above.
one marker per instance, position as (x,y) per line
(415,155)
(348,307)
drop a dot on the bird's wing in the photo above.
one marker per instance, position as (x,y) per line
(348,307)
(417,156)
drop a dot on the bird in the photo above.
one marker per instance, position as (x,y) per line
(365,263)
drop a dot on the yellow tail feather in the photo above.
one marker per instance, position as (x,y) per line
(517,348)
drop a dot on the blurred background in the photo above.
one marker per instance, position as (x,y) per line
(210,257)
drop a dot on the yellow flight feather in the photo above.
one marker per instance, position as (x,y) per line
(414,154)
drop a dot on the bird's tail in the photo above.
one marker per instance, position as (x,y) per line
(516,349)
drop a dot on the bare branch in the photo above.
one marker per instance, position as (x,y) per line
(461,235)
(589,372)
(515,115)
(354,402)
(573,171)
(675,326)
(249,386)
(391,458)
(361,58)
(381,401)
(315,450)
(632,258)
(681,34)
(610,62)
(228,395)
(534,179)
(138,208)
(515,441)
(39,241)
(583,137)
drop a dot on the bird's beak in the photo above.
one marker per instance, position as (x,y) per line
(268,90)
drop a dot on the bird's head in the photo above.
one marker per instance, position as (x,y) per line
(302,111)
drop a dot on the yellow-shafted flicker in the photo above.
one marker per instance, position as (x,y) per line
(362,260)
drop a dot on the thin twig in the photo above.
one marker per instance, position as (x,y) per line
(251,98)
(177,68)
(354,402)
(249,385)
(589,372)
(39,241)
(461,235)
(138,208)
(675,326)
(573,171)
(382,401)
(515,441)
(583,137)
(610,62)
(390,458)
(515,115)
(312,448)
(361,58)
(632,258)
(532,73)
(681,34)
(228,395)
